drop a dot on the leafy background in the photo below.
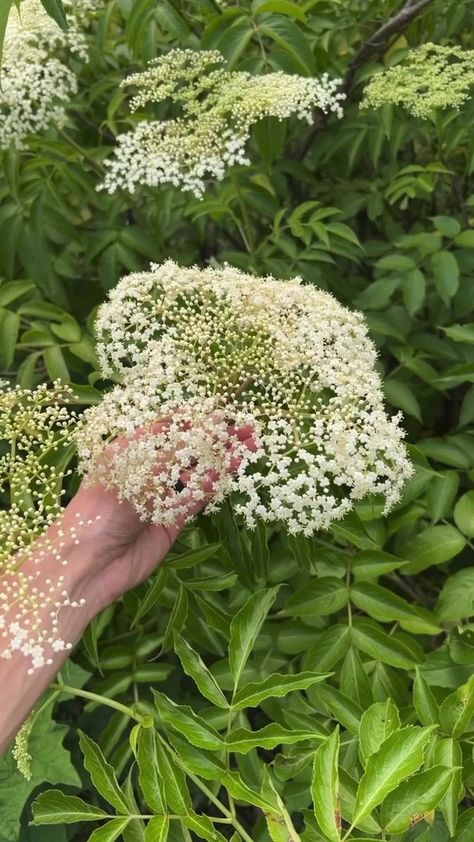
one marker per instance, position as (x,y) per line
(370,624)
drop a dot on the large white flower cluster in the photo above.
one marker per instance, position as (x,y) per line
(35,82)
(217,110)
(214,350)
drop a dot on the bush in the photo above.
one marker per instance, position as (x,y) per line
(262,685)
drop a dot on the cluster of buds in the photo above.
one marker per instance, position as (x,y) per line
(217,108)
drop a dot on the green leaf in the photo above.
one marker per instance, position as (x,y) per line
(377,723)
(425,703)
(396,263)
(433,545)
(318,598)
(342,708)
(186,722)
(446,225)
(465,825)
(56,364)
(102,773)
(157,829)
(152,596)
(330,646)
(270,135)
(381,646)
(176,791)
(9,328)
(194,666)
(459,333)
(287,35)
(193,557)
(203,827)
(448,753)
(386,606)
(370,564)
(456,600)
(402,397)
(281,7)
(54,807)
(55,9)
(110,831)
(4,13)
(279,824)
(275,686)
(148,772)
(242,741)
(465,239)
(457,710)
(245,627)
(446,274)
(414,291)
(240,790)
(399,756)
(414,799)
(177,618)
(441,494)
(50,762)
(325,787)
(464,514)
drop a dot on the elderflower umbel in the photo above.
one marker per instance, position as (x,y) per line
(36,437)
(35,83)
(429,77)
(205,349)
(217,109)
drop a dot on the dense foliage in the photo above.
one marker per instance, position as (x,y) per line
(264,686)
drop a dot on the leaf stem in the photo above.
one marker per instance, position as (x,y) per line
(94,697)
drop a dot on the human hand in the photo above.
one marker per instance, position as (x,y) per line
(119,551)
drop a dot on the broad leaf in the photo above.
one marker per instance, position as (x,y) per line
(377,723)
(415,798)
(399,756)
(157,829)
(110,831)
(148,773)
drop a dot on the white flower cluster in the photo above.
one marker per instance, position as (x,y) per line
(208,352)
(35,82)
(36,429)
(217,109)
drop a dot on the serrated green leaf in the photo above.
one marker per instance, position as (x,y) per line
(148,772)
(54,807)
(457,710)
(325,787)
(186,722)
(377,723)
(399,756)
(425,703)
(446,274)
(242,741)
(448,753)
(275,686)
(245,627)
(195,667)
(177,618)
(203,827)
(414,799)
(157,829)
(456,600)
(102,773)
(110,831)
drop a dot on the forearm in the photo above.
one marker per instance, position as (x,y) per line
(22,686)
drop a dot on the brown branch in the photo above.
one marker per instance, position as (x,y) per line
(394,26)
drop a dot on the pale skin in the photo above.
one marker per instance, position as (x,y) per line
(116,552)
